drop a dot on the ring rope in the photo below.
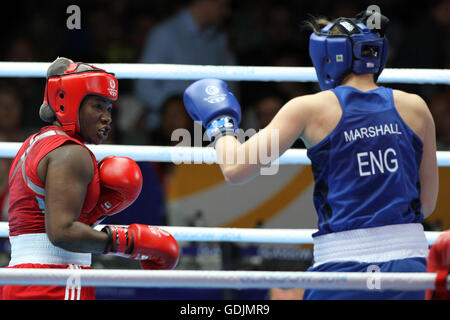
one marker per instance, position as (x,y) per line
(221,279)
(231,73)
(179,155)
(260,235)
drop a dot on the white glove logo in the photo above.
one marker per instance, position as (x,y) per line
(212,90)
(214,94)
(158,231)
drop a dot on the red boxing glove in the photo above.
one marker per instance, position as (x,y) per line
(156,248)
(439,261)
(121,184)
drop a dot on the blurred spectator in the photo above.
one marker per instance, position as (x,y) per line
(192,36)
(266,108)
(172,116)
(440,109)
(98,33)
(110,43)
(345,8)
(141,24)
(280,26)
(288,56)
(263,30)
(4,204)
(101,36)
(22,49)
(248,30)
(4,170)
(130,122)
(432,31)
(11,111)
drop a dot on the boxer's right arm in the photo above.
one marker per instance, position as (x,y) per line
(415,112)
(269,143)
(428,171)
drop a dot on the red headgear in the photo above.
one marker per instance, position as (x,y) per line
(64,93)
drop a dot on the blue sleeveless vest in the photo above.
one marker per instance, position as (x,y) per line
(366,171)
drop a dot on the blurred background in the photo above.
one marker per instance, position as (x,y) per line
(208,32)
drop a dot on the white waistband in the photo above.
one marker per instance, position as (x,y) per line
(377,244)
(37,248)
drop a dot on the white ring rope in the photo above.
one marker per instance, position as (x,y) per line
(260,235)
(179,155)
(221,279)
(230,73)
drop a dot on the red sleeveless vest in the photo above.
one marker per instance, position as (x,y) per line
(27,192)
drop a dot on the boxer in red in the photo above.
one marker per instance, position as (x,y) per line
(438,261)
(58,191)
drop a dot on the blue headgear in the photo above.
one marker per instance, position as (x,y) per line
(358,49)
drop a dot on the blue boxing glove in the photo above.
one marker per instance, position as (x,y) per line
(209,101)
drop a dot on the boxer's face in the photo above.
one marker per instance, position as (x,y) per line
(95,119)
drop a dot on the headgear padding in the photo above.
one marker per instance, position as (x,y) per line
(355,49)
(68,83)
(57,67)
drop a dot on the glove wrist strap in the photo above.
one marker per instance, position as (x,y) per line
(109,244)
(120,241)
(220,126)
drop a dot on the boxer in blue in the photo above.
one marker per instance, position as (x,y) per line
(372,149)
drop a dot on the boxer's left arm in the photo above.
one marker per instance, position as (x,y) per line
(273,140)
(66,173)
(429,169)
(241,162)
